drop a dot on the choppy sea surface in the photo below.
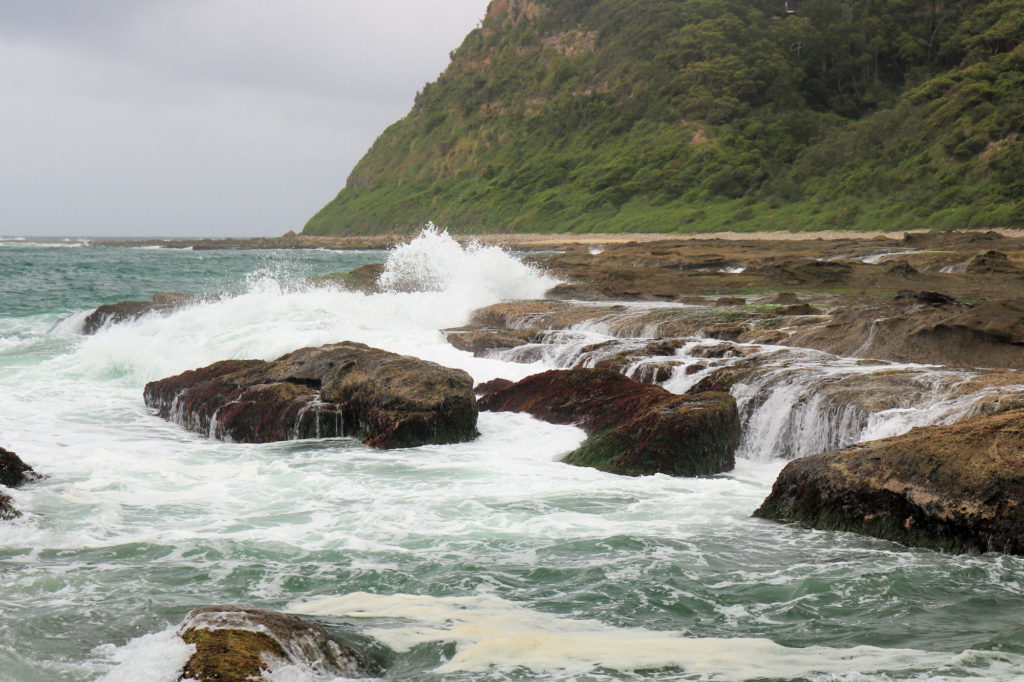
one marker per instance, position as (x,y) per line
(487,560)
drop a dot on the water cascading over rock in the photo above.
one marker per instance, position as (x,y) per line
(633,428)
(342,389)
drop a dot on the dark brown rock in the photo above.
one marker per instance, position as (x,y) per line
(925,297)
(480,340)
(924,327)
(800,309)
(364,279)
(235,644)
(343,389)
(132,310)
(785,298)
(13,471)
(633,428)
(992,262)
(7,509)
(958,488)
(902,268)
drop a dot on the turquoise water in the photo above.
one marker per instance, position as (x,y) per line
(479,561)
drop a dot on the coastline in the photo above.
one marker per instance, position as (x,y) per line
(525,241)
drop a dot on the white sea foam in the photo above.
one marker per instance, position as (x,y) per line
(158,657)
(490,632)
(433,261)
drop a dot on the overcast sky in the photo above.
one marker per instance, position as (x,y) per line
(202,117)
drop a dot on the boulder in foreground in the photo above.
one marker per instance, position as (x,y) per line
(342,389)
(633,428)
(958,488)
(234,644)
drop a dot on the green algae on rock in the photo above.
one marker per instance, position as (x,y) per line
(234,644)
(633,428)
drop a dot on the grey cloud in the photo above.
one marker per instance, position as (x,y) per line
(194,117)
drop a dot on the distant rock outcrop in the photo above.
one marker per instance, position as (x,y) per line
(633,428)
(958,488)
(132,310)
(234,644)
(342,389)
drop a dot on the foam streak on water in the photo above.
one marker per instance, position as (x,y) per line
(487,560)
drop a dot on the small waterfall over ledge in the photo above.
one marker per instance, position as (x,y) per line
(793,402)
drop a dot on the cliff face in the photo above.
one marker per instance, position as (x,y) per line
(611,115)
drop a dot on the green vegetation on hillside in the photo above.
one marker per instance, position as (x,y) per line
(692,115)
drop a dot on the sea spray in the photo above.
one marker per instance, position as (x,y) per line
(433,261)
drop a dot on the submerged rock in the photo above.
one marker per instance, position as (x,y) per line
(7,509)
(132,310)
(958,488)
(633,428)
(234,644)
(342,389)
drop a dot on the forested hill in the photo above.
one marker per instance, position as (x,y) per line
(667,115)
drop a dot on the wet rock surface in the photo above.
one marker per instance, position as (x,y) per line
(633,428)
(364,279)
(480,340)
(958,488)
(13,472)
(234,644)
(926,327)
(132,310)
(343,389)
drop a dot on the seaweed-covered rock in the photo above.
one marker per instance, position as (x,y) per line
(342,389)
(958,488)
(633,428)
(234,644)
(7,509)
